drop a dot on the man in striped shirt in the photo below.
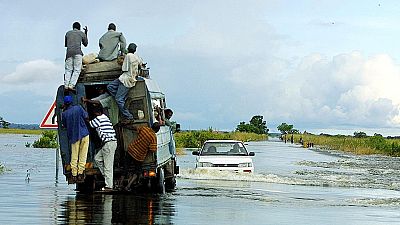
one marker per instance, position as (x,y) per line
(105,156)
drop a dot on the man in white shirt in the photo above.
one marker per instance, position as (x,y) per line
(119,87)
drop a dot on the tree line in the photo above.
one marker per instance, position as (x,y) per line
(3,123)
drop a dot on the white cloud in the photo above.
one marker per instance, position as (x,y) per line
(348,89)
(39,76)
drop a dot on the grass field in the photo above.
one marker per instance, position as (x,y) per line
(20,131)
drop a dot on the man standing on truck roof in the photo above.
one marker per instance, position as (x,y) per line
(119,87)
(105,156)
(109,43)
(74,119)
(145,141)
(73,60)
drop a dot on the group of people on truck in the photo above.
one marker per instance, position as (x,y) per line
(112,44)
(76,119)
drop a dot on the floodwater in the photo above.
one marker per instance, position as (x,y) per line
(291,185)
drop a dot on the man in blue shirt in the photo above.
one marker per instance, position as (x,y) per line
(73,118)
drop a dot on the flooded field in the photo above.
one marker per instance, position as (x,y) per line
(291,185)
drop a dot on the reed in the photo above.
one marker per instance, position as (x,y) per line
(359,146)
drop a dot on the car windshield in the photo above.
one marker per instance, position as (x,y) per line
(223,148)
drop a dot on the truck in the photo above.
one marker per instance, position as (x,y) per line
(146,102)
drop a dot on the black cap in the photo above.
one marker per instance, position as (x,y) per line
(112,26)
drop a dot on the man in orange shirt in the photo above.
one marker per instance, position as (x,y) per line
(146,141)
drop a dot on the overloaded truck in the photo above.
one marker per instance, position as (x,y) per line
(146,102)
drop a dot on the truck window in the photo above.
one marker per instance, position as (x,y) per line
(158,110)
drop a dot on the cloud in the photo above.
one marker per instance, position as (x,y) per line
(346,90)
(39,76)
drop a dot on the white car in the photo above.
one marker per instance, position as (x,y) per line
(224,155)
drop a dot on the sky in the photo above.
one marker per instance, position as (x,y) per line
(323,66)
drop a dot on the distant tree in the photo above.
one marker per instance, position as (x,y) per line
(4,124)
(294,131)
(260,125)
(360,134)
(257,125)
(285,128)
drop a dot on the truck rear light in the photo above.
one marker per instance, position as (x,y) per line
(247,171)
(145,173)
(152,174)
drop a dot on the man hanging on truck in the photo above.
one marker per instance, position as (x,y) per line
(74,119)
(73,59)
(110,43)
(146,141)
(119,87)
(105,156)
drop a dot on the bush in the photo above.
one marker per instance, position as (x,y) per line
(47,140)
(376,144)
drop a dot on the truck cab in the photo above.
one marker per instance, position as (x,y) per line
(146,102)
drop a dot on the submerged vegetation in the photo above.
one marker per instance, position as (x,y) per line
(357,144)
(2,169)
(47,140)
(194,139)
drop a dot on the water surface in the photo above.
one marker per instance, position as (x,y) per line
(291,185)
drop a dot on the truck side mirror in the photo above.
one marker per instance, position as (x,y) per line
(177,127)
(252,154)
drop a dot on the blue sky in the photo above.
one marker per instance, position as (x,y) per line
(321,65)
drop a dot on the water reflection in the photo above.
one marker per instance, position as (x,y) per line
(117,209)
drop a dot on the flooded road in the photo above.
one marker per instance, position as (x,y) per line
(291,185)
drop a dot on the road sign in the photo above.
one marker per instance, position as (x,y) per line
(50,121)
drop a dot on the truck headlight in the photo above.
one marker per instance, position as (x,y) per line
(205,164)
(248,164)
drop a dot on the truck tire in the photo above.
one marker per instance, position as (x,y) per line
(170,183)
(160,188)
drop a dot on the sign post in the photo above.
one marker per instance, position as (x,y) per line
(49,122)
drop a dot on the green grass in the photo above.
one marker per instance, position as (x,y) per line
(359,146)
(19,131)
